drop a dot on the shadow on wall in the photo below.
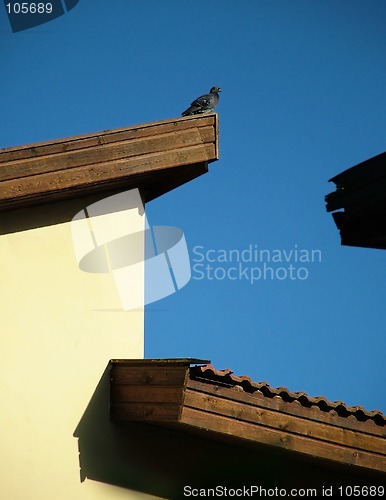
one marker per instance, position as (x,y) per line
(133,456)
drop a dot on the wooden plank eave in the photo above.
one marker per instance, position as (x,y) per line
(161,392)
(109,161)
(246,431)
(240,415)
(153,392)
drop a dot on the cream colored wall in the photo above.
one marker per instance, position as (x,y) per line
(59,328)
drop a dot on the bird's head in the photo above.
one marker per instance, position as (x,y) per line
(215,90)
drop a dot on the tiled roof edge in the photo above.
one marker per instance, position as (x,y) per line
(209,374)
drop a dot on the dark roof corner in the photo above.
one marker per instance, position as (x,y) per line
(361,193)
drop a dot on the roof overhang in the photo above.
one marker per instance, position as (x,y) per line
(361,193)
(154,157)
(171,393)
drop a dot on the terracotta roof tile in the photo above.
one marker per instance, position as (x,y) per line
(209,374)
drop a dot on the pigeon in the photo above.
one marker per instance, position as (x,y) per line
(204,104)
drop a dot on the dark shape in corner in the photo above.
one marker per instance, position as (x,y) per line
(37,13)
(361,193)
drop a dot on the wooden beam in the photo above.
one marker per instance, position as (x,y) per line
(144,393)
(281,438)
(261,402)
(291,424)
(148,390)
(147,412)
(149,375)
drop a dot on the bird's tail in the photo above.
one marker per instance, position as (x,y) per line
(188,111)
(192,110)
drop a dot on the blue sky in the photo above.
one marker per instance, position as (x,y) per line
(303,99)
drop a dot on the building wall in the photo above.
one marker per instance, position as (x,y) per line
(60,326)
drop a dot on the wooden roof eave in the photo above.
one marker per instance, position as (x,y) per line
(154,157)
(167,396)
(288,426)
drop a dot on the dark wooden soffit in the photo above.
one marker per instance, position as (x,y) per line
(202,399)
(361,193)
(154,157)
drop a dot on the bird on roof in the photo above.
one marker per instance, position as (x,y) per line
(204,104)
